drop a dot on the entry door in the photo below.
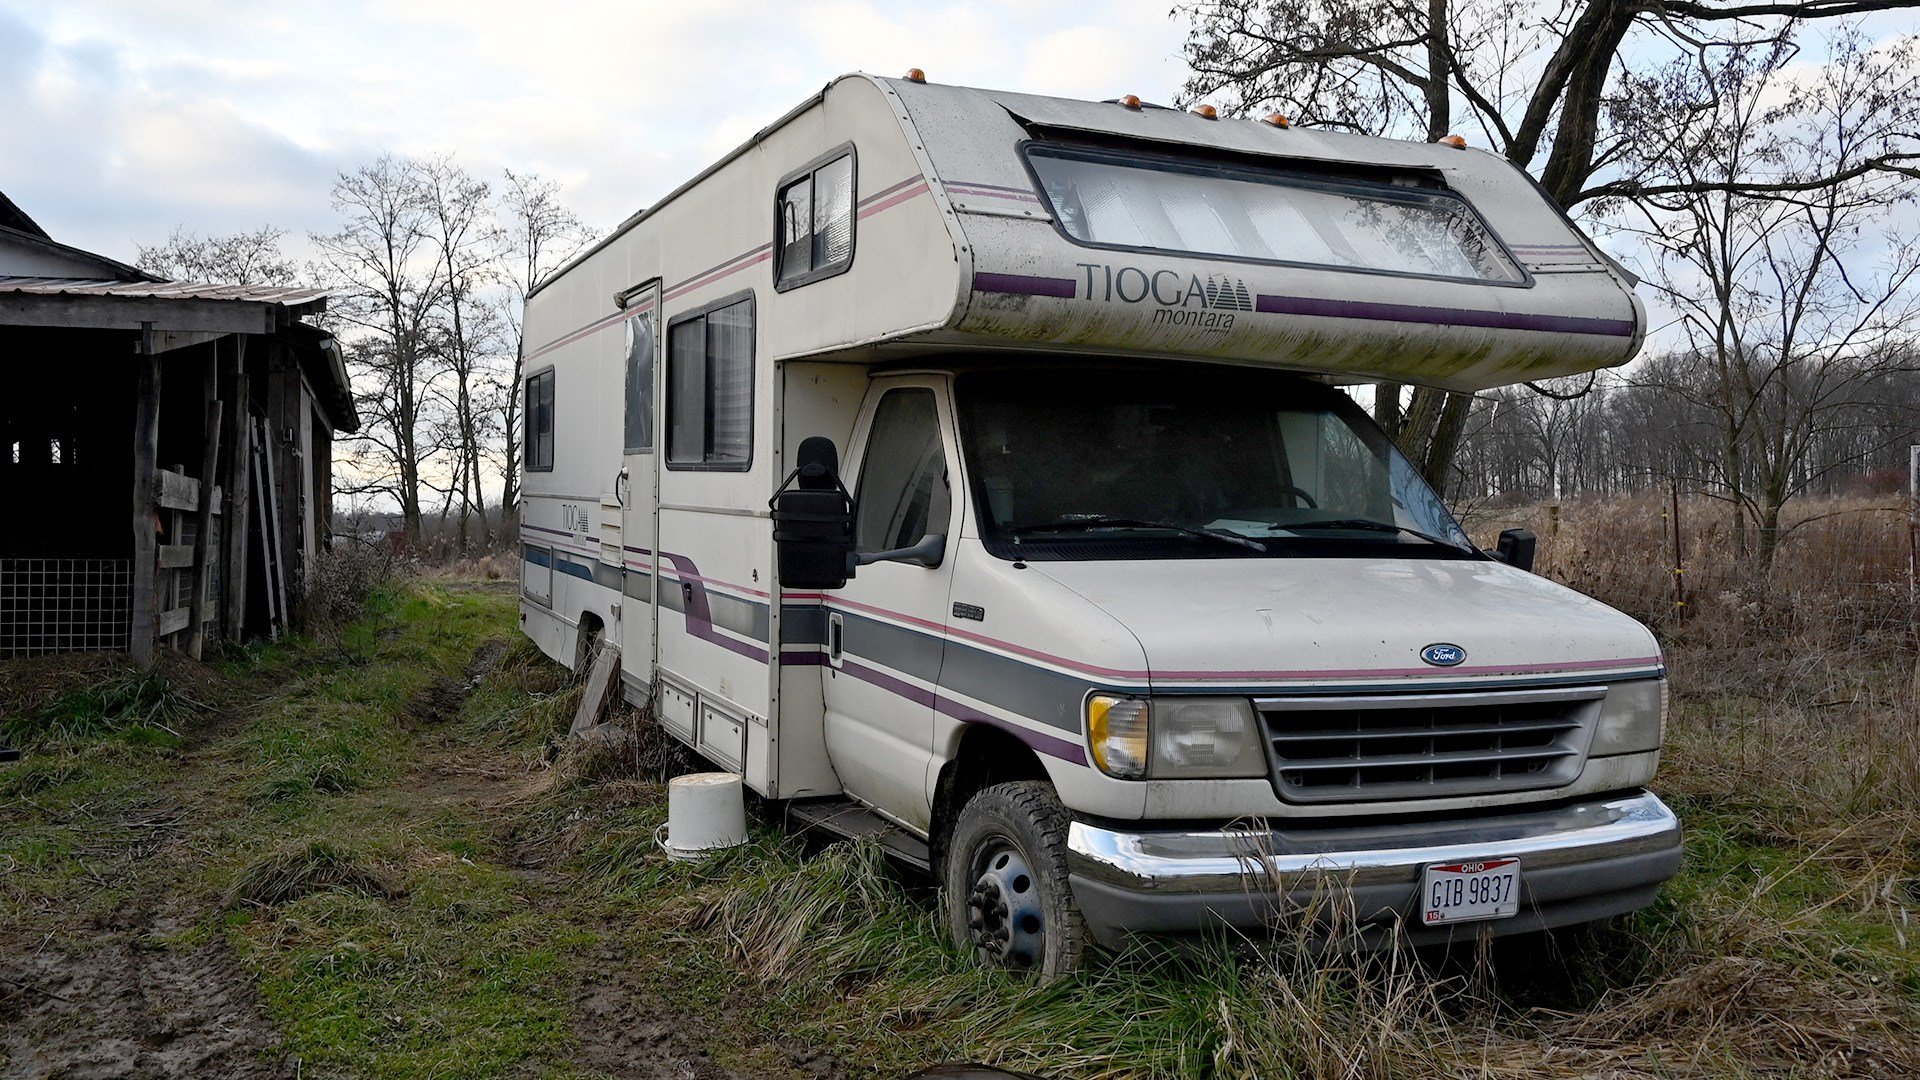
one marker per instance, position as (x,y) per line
(639,487)
(884,641)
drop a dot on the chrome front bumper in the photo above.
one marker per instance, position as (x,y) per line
(1580,861)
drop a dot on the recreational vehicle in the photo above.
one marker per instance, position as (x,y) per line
(970,469)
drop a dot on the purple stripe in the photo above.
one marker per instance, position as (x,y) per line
(1027,191)
(1025,285)
(1045,744)
(1439,316)
(890,189)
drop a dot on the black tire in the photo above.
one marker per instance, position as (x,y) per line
(1008,899)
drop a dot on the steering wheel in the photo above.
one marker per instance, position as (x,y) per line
(1301,495)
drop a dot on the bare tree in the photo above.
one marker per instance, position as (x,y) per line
(541,234)
(458,211)
(243,258)
(383,259)
(1529,79)
(1796,299)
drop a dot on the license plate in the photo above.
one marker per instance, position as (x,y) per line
(1469,891)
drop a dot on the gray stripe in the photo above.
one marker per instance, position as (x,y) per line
(803,624)
(1033,693)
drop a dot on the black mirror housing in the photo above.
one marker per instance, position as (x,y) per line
(1516,548)
(813,521)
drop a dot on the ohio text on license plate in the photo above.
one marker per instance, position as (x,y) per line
(1470,890)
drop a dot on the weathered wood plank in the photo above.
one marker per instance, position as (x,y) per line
(141,638)
(238,524)
(173,491)
(128,312)
(176,556)
(172,622)
(203,537)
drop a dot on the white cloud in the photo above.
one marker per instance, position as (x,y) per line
(126,120)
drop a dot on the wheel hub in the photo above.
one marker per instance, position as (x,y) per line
(1004,915)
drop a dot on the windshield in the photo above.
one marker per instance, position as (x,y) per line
(1184,463)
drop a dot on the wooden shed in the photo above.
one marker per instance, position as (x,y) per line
(165,451)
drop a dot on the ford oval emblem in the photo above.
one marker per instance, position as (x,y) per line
(1441,654)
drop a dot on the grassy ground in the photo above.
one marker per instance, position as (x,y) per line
(361,856)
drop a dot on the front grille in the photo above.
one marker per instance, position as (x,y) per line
(1411,746)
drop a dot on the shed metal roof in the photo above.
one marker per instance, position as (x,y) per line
(162,290)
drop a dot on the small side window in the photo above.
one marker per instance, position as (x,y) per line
(710,388)
(813,222)
(539,422)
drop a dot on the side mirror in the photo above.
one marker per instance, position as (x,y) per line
(928,552)
(1516,549)
(813,521)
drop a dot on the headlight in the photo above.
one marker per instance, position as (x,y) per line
(1175,737)
(1632,718)
(1117,734)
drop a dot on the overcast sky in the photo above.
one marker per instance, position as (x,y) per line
(124,119)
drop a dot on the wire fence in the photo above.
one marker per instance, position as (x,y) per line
(64,605)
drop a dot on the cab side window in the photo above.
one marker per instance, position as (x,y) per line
(813,222)
(904,492)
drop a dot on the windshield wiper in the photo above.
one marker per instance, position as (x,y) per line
(1366,525)
(1102,521)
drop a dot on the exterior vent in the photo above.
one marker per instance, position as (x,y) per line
(1422,746)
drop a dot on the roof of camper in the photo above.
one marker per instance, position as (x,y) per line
(1146,124)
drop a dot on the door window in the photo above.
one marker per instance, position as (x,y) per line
(903,492)
(640,383)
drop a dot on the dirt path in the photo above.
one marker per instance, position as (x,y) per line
(149,987)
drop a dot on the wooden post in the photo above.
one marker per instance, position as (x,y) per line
(142,634)
(239,496)
(203,535)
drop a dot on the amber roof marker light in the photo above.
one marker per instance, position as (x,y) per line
(1455,141)
(1130,101)
(1278,120)
(1206,112)
(916,75)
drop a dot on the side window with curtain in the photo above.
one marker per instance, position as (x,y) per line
(640,383)
(813,222)
(903,494)
(538,436)
(710,388)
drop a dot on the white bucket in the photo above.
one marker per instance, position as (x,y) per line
(706,812)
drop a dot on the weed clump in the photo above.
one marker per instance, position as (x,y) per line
(119,700)
(301,868)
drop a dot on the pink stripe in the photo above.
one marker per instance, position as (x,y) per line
(702,283)
(869,207)
(894,201)
(1324,673)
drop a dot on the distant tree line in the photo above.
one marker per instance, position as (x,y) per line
(430,267)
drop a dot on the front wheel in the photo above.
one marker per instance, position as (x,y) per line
(1007,895)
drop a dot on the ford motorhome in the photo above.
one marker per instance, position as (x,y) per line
(967,468)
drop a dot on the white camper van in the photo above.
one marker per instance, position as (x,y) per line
(966,468)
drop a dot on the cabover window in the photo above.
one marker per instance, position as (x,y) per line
(1106,200)
(813,225)
(710,387)
(539,431)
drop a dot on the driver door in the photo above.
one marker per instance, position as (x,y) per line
(885,628)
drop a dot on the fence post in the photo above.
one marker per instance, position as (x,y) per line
(1913,539)
(1679,559)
